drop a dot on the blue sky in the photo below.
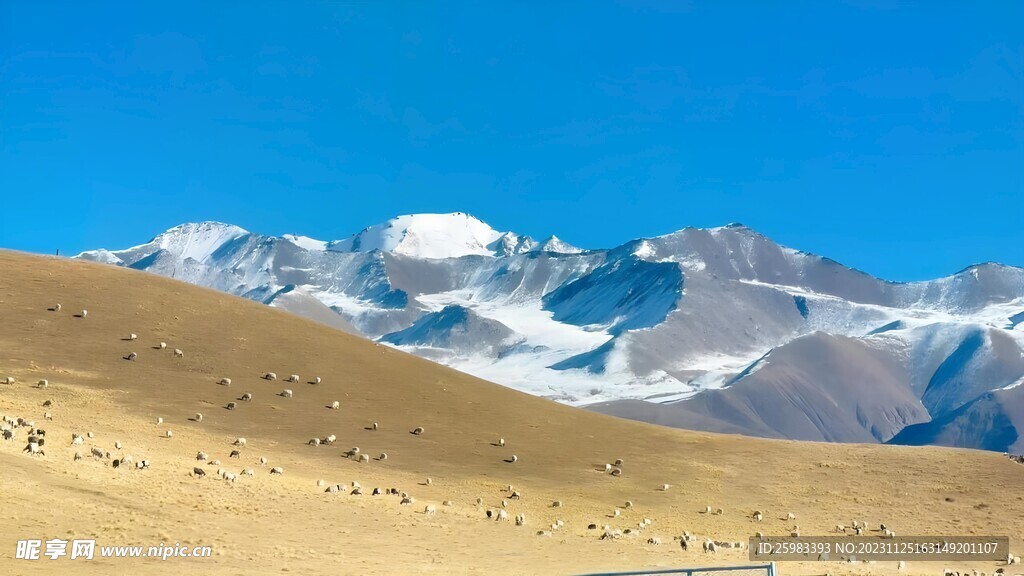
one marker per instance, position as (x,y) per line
(888,136)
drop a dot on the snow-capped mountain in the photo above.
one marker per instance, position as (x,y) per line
(717,329)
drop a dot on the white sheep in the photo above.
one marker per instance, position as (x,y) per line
(270,376)
(757,516)
(654,541)
(790,516)
(56,307)
(47,416)
(383,456)
(363,458)
(293,378)
(239,442)
(201,456)
(248,472)
(373,426)
(331,439)
(169,434)
(430,510)
(263,460)
(335,405)
(520,519)
(407,500)
(629,504)
(132,356)
(617,472)
(556,504)
(84,313)
(618,462)
(316,380)
(198,417)
(159,421)
(502,515)
(178,353)
(230,406)
(313,442)
(665,487)
(117,445)
(501,441)
(225,381)
(513,459)
(286,393)
(417,431)
(77,440)
(42,383)
(9,380)
(133,336)
(247,397)
(607,468)
(162,345)
(277,470)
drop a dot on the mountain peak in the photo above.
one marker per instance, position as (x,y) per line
(427,236)
(556,245)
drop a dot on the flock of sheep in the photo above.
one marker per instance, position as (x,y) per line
(35,440)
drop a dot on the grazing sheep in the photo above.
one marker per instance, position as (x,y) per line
(47,416)
(56,307)
(520,519)
(198,472)
(131,356)
(286,393)
(373,426)
(198,417)
(335,405)
(214,463)
(84,313)
(383,456)
(313,442)
(42,383)
(429,481)
(97,452)
(8,434)
(430,510)
(501,441)
(247,397)
(514,495)
(513,459)
(293,378)
(117,445)
(34,449)
(230,406)
(133,336)
(607,468)
(225,381)
(719,512)
(270,376)
(240,442)
(407,500)
(363,458)
(479,501)
(162,345)
(235,454)
(617,472)
(331,439)
(758,516)
(556,504)
(629,504)
(655,541)
(710,547)
(618,462)
(277,470)
(159,421)
(248,472)
(169,434)
(263,460)
(78,456)
(178,353)
(790,516)
(417,431)
(378,492)
(77,440)
(316,380)
(201,456)
(9,380)
(665,487)
(502,515)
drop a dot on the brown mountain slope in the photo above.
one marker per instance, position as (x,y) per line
(276,523)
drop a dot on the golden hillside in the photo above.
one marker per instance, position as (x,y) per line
(278,524)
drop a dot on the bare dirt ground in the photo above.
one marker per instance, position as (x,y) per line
(287,524)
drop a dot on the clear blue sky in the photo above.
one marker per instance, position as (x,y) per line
(885,135)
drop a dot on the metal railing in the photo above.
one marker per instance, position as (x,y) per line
(757,570)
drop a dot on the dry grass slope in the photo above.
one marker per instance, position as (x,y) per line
(274,524)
